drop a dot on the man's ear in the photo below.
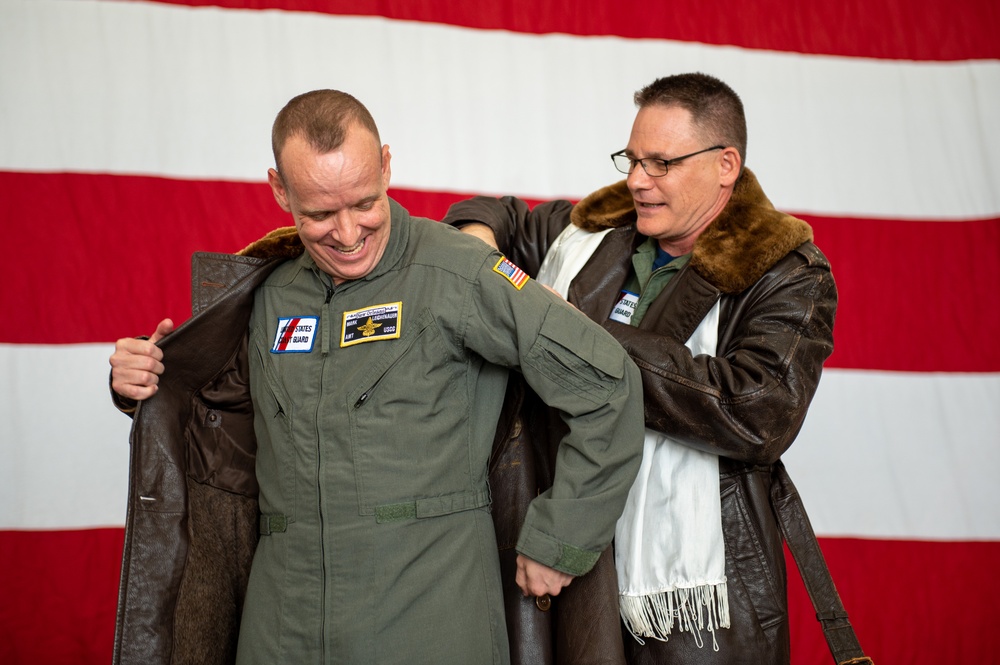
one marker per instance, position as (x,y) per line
(386,171)
(278,189)
(730,164)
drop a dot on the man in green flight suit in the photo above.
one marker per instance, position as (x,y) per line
(376,362)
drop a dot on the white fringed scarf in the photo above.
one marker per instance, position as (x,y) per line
(669,550)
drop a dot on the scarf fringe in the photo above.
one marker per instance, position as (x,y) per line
(704,607)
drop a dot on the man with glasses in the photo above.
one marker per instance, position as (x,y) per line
(727,307)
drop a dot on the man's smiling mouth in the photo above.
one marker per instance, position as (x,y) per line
(353,249)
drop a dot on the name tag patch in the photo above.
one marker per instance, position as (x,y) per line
(623,311)
(295,334)
(371,324)
(514,275)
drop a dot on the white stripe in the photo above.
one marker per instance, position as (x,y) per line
(132,87)
(900,455)
(882,455)
(64,447)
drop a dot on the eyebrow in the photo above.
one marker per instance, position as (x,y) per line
(652,155)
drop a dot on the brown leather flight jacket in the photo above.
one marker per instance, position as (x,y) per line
(193,522)
(747,404)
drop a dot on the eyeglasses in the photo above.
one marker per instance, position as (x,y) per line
(654,167)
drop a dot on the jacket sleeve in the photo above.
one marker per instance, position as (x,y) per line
(749,401)
(523,235)
(579,369)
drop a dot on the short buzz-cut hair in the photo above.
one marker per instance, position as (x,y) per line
(715,108)
(322,117)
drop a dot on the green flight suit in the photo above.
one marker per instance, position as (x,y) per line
(376,403)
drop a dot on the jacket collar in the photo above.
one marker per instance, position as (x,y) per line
(281,243)
(745,241)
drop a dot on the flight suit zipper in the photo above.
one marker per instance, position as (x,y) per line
(325,329)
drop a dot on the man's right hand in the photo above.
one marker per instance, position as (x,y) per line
(136,364)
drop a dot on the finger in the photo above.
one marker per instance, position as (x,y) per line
(134,376)
(132,383)
(536,584)
(136,391)
(137,354)
(164,328)
(131,346)
(556,586)
(520,578)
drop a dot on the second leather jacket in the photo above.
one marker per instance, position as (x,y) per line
(747,404)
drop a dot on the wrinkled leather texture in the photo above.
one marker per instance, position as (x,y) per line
(191,525)
(524,455)
(777,305)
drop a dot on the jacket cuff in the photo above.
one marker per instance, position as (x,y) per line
(554,553)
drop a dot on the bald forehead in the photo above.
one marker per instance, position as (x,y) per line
(352,132)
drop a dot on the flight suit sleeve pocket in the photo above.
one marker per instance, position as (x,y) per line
(577,355)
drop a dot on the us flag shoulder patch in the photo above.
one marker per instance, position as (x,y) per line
(514,275)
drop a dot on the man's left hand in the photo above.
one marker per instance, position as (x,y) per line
(536,579)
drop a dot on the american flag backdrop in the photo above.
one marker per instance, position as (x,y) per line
(133,133)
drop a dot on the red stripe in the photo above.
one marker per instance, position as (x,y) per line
(914,296)
(117,250)
(897,29)
(58,599)
(920,603)
(58,596)
(121,248)
(286,336)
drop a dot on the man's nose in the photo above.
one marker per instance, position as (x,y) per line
(345,230)
(638,178)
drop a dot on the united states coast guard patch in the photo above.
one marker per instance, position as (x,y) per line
(514,275)
(371,324)
(295,334)
(623,311)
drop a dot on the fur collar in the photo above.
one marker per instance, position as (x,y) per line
(747,238)
(281,243)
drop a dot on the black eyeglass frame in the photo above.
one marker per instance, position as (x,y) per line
(665,162)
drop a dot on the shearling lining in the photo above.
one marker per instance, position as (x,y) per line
(747,238)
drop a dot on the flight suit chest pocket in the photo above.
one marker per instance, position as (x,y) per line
(405,423)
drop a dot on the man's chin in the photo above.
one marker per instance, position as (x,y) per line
(351,270)
(651,225)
